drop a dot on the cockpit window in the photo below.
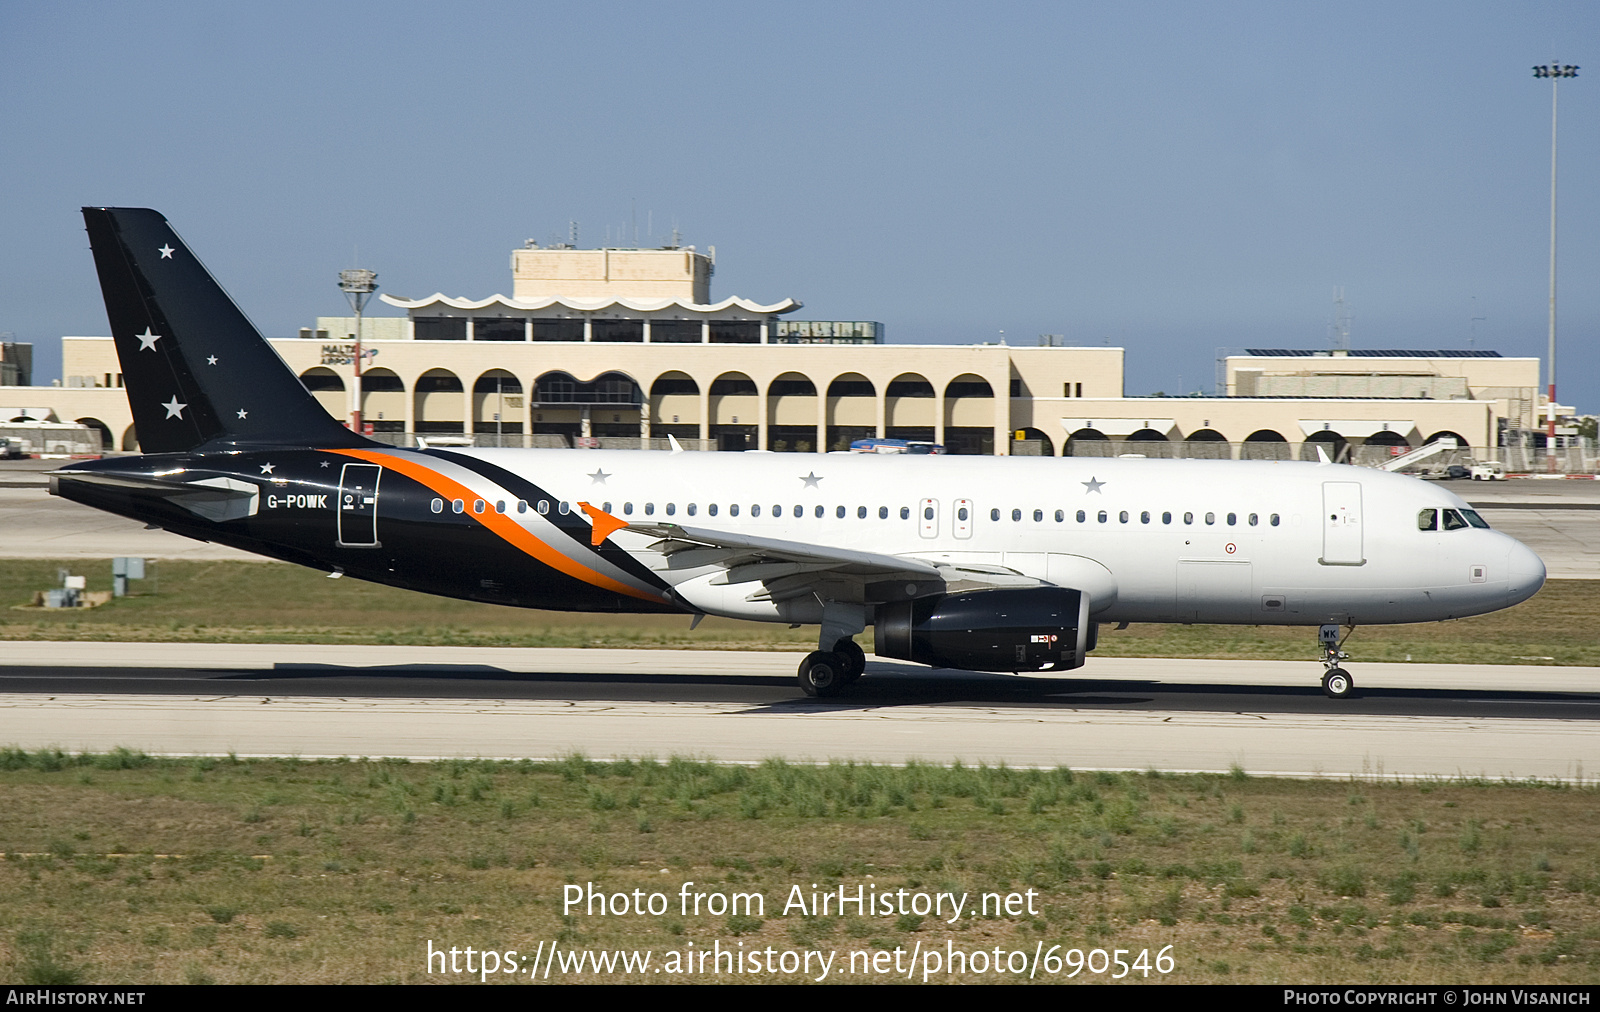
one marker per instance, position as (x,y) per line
(1428,520)
(1474,519)
(1453,520)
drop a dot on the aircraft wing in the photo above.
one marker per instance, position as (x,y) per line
(791,569)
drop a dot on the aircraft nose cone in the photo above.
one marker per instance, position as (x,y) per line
(1526,572)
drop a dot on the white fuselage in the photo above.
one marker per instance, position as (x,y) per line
(1259,542)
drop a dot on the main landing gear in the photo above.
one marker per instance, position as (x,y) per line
(828,672)
(1336,681)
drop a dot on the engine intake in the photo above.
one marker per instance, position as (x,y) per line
(1024,629)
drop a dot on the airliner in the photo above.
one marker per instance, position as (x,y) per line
(1007,564)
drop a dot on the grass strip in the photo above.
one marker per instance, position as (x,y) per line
(123,868)
(249,602)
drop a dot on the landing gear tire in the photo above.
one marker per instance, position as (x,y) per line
(1338,684)
(854,658)
(823,673)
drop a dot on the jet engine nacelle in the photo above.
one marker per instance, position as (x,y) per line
(1021,629)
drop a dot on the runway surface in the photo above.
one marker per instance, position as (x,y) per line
(1411,720)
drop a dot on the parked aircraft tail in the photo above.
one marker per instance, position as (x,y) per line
(196,369)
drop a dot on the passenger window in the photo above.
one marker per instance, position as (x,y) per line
(1122,517)
(1188,518)
(1060,515)
(544,507)
(755,510)
(1082,516)
(672,508)
(994,514)
(1102,516)
(961,514)
(861,512)
(838,511)
(818,512)
(1233,518)
(1166,518)
(649,509)
(1453,521)
(500,506)
(1144,517)
(1254,519)
(692,509)
(1211,518)
(478,505)
(711,510)
(1274,520)
(1016,515)
(564,507)
(883,512)
(627,509)
(437,505)
(777,511)
(606,507)
(456,506)
(905,513)
(522,505)
(733,510)
(1428,520)
(1474,519)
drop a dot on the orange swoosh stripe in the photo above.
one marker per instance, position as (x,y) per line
(503,526)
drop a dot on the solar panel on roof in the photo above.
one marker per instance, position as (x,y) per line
(1374,353)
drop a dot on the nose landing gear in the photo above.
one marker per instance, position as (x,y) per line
(1336,681)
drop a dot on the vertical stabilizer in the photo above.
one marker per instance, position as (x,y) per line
(196,369)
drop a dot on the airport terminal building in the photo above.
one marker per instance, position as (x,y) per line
(623,347)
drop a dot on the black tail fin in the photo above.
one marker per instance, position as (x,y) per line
(196,370)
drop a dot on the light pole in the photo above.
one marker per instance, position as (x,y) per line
(358,285)
(1555,72)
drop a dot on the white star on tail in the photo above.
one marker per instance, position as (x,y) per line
(212,360)
(147,340)
(243,413)
(174,409)
(166,252)
(267,468)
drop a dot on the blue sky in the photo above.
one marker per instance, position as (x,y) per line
(1173,178)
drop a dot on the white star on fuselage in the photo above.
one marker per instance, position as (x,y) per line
(147,340)
(811,479)
(1092,485)
(243,413)
(599,477)
(212,360)
(174,409)
(166,252)
(267,468)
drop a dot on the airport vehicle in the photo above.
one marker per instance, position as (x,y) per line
(996,564)
(913,446)
(1488,470)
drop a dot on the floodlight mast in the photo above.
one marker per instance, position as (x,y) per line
(358,284)
(1553,71)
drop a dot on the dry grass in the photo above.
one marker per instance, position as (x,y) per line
(246,602)
(312,872)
